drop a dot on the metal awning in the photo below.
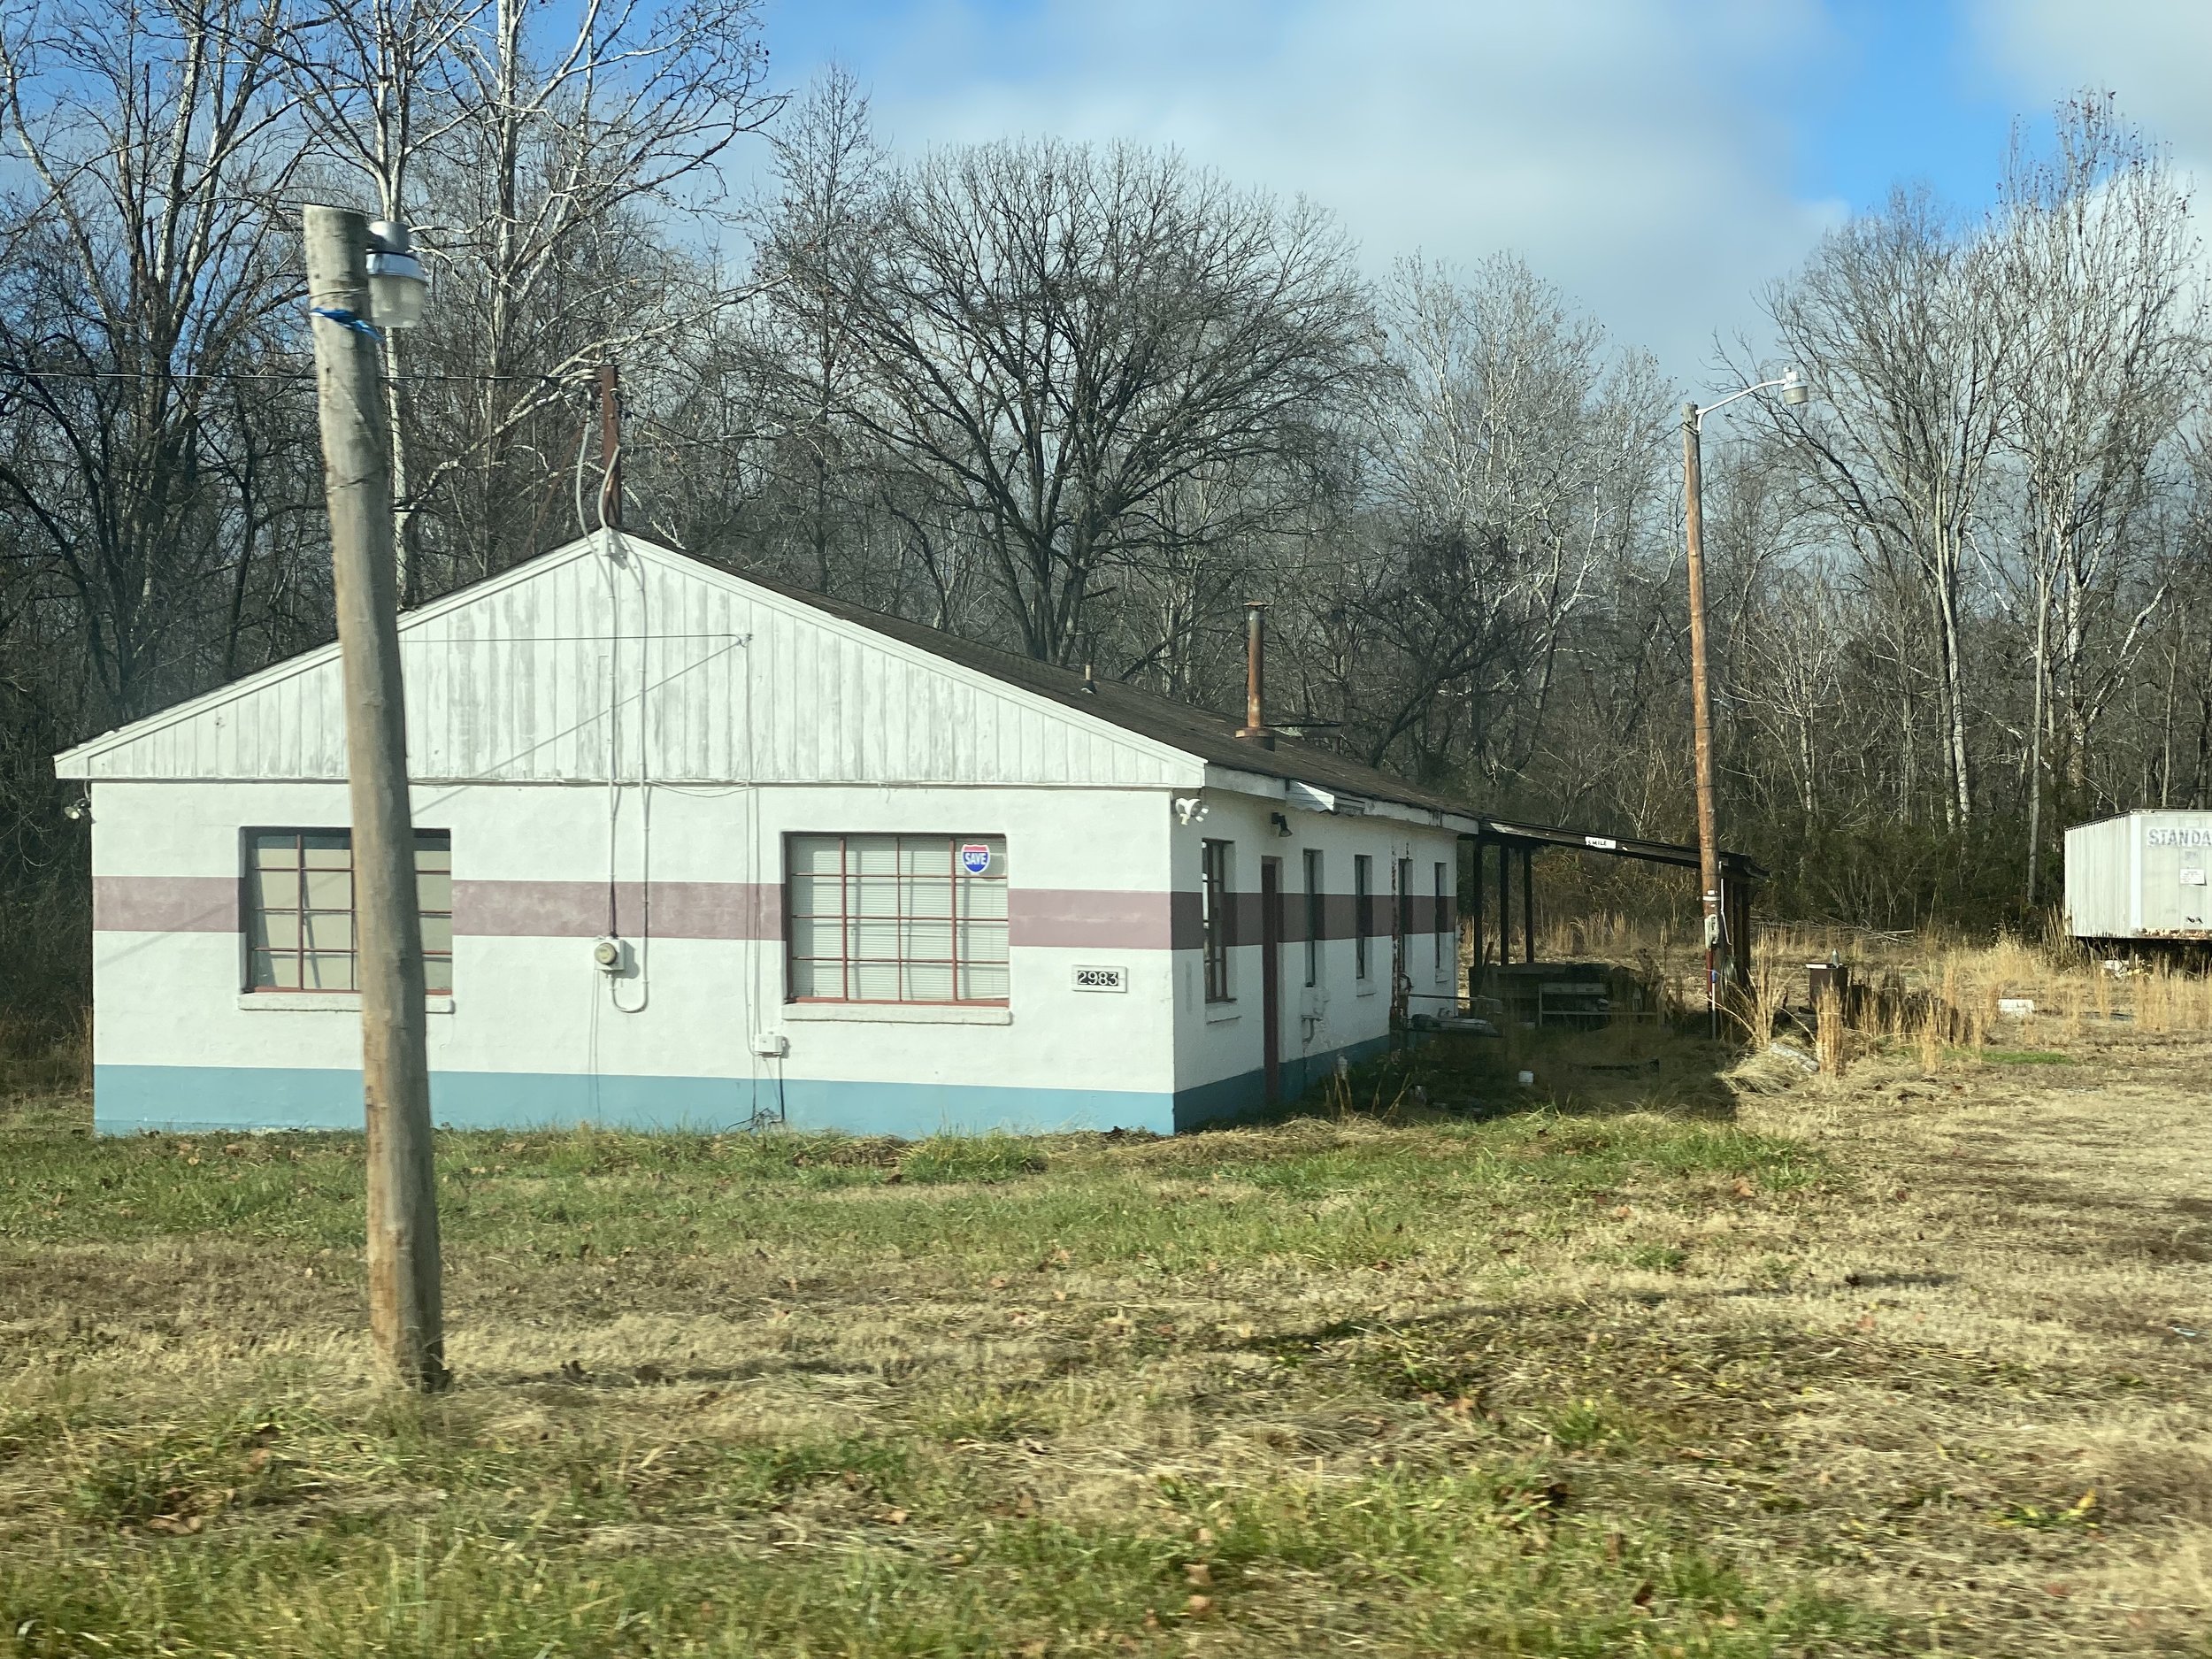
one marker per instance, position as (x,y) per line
(1512,833)
(1738,873)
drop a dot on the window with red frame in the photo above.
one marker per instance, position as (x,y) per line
(898,919)
(299,910)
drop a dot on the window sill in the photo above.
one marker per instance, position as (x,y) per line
(897,1014)
(1222,1013)
(1366,990)
(322,1003)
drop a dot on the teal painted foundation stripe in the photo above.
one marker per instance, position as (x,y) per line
(202,1100)
(1245,1094)
(184,1099)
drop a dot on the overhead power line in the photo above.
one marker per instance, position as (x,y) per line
(411,378)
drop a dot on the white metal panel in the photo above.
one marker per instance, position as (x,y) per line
(2174,884)
(2141,875)
(2099,879)
(655,665)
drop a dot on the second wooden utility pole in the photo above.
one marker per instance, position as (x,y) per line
(406,1316)
(1701,719)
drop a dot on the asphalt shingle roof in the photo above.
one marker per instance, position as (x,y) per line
(1200,732)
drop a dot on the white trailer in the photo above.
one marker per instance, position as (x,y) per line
(2140,876)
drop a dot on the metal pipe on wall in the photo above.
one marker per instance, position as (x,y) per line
(1482,944)
(1505,903)
(1528,903)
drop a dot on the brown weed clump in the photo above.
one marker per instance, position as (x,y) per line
(1931,1035)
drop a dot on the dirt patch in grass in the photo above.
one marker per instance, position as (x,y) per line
(1912,1363)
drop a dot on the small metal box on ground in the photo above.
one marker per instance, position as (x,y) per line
(2140,876)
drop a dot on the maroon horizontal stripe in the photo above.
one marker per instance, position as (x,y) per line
(570,910)
(1083,919)
(1340,916)
(1064,918)
(164,904)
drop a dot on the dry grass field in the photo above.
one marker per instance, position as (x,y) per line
(1643,1360)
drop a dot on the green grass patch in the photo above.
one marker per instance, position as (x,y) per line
(1322,1386)
(998,1202)
(1497,1559)
(987,1158)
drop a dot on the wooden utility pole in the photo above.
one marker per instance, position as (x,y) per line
(1717,942)
(405,1315)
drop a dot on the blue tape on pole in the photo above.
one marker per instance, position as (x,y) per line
(345,318)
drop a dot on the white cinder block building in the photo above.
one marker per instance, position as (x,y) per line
(864,875)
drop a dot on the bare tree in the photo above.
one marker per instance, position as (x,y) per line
(1515,457)
(1899,320)
(373,92)
(817,240)
(2096,259)
(1061,338)
(138,268)
(570,144)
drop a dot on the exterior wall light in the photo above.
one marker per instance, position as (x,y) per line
(396,284)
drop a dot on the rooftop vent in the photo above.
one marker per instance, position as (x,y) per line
(1255,729)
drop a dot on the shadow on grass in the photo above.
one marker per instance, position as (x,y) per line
(1641,1067)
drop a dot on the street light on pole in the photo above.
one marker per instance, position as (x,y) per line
(1720,948)
(361,278)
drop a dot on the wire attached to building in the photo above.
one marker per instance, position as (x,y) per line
(612,556)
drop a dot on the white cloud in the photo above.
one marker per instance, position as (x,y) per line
(2149,54)
(2152,53)
(1637,154)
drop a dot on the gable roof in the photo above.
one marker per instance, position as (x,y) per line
(1199,733)
(226,732)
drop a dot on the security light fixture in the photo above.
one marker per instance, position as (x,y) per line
(396,283)
(1795,390)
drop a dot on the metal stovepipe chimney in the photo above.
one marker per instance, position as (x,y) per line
(1255,727)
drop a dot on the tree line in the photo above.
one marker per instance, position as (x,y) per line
(1084,401)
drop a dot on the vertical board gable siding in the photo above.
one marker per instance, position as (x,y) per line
(712,682)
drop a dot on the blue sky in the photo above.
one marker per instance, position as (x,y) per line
(1660,160)
(1904,92)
